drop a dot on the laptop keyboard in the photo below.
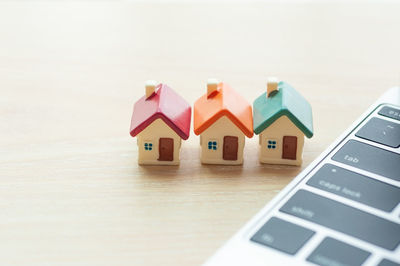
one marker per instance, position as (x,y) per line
(354,191)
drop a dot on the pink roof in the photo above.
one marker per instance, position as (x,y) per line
(166,104)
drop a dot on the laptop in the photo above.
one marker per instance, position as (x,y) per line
(343,209)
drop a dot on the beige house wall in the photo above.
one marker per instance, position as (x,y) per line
(280,128)
(216,132)
(152,133)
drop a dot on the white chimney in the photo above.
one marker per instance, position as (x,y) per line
(272,86)
(150,87)
(212,86)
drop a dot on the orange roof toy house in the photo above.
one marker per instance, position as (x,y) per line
(222,118)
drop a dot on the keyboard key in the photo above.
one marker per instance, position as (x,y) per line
(381,131)
(282,235)
(343,218)
(370,158)
(334,252)
(356,187)
(390,112)
(386,262)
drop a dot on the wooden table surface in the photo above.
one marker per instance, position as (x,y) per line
(71,190)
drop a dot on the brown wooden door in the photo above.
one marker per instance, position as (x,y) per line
(231,145)
(166,149)
(289,147)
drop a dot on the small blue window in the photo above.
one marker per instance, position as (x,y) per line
(212,145)
(271,144)
(148,146)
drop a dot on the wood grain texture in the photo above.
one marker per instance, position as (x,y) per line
(71,190)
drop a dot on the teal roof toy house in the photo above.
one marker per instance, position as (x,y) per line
(282,117)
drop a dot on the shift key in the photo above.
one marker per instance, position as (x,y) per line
(343,218)
(370,158)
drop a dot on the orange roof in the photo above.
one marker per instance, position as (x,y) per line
(223,102)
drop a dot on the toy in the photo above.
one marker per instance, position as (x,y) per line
(281,119)
(222,118)
(160,120)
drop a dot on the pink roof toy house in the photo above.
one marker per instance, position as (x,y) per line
(160,120)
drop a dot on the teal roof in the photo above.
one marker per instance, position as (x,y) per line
(287,101)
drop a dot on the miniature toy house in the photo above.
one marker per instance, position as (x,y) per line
(160,120)
(281,119)
(222,118)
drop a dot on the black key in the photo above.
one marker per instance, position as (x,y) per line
(343,218)
(370,158)
(390,112)
(386,262)
(356,187)
(334,252)
(282,235)
(381,131)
